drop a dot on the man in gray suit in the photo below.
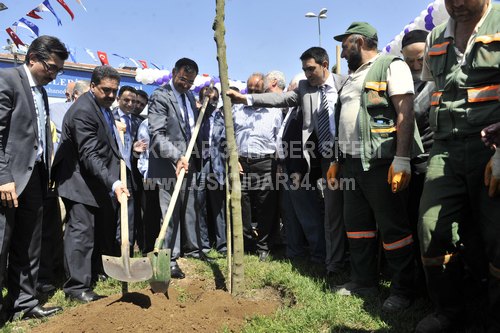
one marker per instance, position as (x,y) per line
(172,116)
(310,95)
(25,156)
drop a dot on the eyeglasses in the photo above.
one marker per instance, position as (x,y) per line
(51,68)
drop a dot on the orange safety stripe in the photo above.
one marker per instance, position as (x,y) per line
(439,49)
(377,86)
(398,244)
(486,39)
(441,260)
(494,271)
(362,234)
(483,94)
(384,130)
(435,98)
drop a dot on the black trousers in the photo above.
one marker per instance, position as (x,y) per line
(20,241)
(90,232)
(259,200)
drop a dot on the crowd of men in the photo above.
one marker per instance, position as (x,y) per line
(400,157)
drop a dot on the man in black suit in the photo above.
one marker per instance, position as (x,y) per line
(86,170)
(25,152)
(172,116)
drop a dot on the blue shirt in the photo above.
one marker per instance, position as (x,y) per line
(256,130)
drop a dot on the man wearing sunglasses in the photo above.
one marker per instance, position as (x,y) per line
(25,153)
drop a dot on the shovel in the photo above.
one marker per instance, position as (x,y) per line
(124,268)
(160,257)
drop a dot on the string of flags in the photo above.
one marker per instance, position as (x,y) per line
(46,6)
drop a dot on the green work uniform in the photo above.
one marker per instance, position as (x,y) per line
(370,207)
(455,209)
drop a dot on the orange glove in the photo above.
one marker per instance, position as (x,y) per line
(399,174)
(331,175)
(492,174)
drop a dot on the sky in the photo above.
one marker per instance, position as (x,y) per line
(261,35)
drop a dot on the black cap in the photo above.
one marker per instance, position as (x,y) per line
(414,36)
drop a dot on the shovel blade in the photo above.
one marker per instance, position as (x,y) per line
(139,270)
(160,262)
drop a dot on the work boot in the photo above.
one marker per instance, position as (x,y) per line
(433,323)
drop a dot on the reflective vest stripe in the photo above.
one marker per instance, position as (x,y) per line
(494,271)
(377,86)
(398,244)
(361,234)
(438,49)
(435,98)
(440,261)
(486,39)
(384,130)
(483,94)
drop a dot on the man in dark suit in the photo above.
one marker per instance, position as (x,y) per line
(309,95)
(172,116)
(86,171)
(25,155)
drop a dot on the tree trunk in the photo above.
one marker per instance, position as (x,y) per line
(237,275)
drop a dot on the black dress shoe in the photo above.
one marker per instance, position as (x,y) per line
(176,272)
(84,296)
(41,312)
(263,255)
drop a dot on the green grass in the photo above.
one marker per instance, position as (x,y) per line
(308,305)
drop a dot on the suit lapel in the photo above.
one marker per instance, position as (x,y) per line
(29,95)
(177,109)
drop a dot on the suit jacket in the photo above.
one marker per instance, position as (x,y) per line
(87,162)
(305,96)
(168,133)
(19,129)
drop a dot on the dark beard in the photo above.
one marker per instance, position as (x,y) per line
(354,62)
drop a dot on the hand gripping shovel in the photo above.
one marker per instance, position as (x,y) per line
(160,257)
(124,268)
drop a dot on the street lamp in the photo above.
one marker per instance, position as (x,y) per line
(321,15)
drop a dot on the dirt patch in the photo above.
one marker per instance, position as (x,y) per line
(194,305)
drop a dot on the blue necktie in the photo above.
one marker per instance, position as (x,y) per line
(324,134)
(186,117)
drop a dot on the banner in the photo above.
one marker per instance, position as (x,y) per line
(81,4)
(65,6)
(46,3)
(2,6)
(15,38)
(24,23)
(91,54)
(103,57)
(143,63)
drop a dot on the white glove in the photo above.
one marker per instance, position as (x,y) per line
(399,174)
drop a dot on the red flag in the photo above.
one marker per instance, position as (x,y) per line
(143,63)
(33,14)
(65,6)
(103,57)
(15,38)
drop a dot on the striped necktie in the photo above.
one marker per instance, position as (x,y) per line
(324,134)
(40,108)
(186,118)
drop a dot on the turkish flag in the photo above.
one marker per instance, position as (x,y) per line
(103,57)
(143,63)
(15,38)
